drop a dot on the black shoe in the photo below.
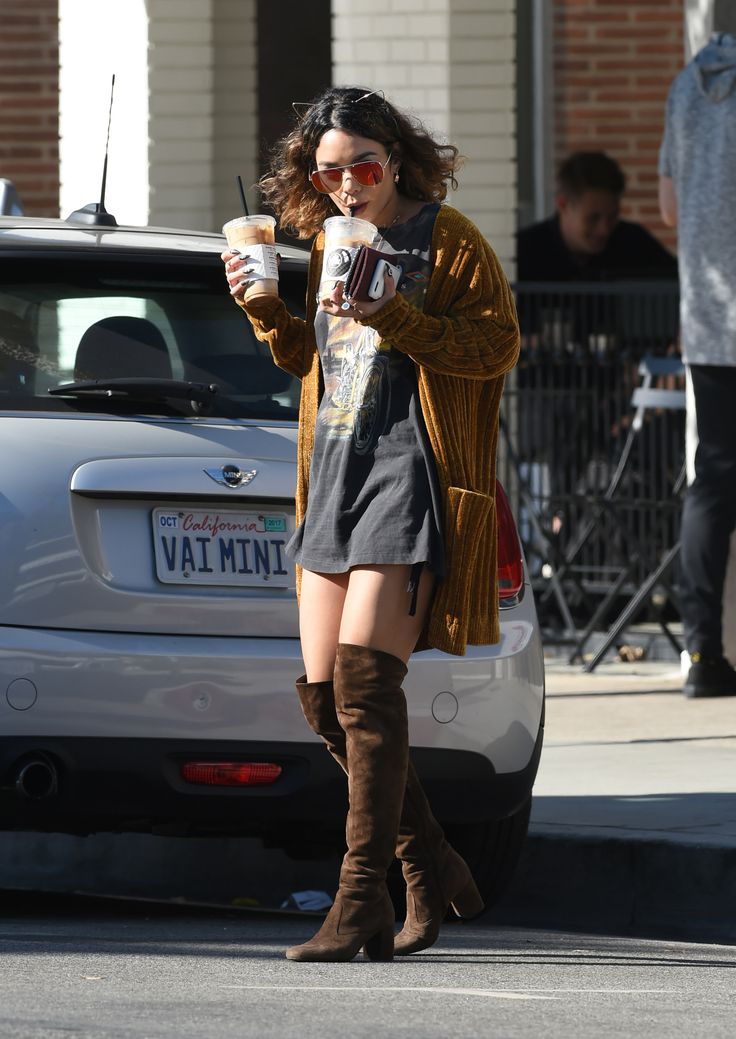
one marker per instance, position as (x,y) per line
(710,677)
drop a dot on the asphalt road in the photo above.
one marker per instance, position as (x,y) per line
(86,968)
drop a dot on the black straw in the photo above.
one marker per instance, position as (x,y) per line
(242,194)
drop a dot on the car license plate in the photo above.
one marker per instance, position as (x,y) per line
(245,549)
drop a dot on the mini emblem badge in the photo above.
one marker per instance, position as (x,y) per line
(232,475)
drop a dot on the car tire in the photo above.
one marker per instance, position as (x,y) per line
(491,848)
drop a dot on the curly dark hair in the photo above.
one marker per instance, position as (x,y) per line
(425,171)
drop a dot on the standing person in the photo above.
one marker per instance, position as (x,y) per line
(698,194)
(396,535)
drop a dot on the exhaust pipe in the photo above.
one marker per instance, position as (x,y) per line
(37,778)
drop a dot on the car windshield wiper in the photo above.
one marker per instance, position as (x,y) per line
(140,389)
(200,395)
(204,398)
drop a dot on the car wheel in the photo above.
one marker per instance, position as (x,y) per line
(490,848)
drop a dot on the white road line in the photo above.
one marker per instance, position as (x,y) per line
(530,993)
(380,990)
(608,991)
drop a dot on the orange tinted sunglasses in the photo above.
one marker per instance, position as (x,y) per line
(368,173)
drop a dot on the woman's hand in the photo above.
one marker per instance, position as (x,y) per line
(338,306)
(236,266)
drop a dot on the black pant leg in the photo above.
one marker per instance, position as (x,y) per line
(709,511)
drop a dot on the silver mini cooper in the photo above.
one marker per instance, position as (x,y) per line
(148,620)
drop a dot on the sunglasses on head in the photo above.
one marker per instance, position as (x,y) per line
(368,173)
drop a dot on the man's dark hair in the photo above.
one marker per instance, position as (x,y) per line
(590,171)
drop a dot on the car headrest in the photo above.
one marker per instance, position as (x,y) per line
(18,353)
(120,348)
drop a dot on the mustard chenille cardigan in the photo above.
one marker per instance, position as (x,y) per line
(462,343)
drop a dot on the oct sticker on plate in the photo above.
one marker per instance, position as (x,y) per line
(245,549)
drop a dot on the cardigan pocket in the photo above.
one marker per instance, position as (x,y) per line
(469,541)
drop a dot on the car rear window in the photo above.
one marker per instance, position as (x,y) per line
(66,319)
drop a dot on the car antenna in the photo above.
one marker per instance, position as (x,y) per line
(95,212)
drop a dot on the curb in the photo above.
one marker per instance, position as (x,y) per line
(598,884)
(644,887)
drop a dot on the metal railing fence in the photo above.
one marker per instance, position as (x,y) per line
(566,415)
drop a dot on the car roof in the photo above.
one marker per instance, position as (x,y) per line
(41,232)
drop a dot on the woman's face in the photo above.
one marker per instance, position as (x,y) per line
(375,202)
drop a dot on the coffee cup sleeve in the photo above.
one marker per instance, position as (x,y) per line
(261,263)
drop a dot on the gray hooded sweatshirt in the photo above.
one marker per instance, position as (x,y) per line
(699,154)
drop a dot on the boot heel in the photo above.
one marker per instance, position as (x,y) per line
(381,946)
(468,903)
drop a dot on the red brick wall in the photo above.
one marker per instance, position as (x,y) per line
(29,102)
(614,61)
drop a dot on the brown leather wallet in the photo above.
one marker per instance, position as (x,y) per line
(360,275)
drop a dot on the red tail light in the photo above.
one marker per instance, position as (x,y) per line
(510,565)
(231,773)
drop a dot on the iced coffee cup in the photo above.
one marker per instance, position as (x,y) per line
(343,237)
(254,237)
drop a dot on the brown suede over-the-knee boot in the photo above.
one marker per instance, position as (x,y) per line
(371,709)
(318,705)
(436,876)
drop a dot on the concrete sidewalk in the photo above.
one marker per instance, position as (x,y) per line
(634,817)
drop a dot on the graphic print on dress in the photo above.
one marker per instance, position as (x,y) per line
(359,370)
(357,384)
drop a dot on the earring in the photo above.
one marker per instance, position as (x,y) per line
(396,177)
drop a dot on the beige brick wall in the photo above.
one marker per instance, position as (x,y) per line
(482,98)
(400,47)
(180,114)
(451,62)
(235,123)
(202,121)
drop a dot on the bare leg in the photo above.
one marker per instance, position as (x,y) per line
(375,612)
(371,711)
(370,608)
(320,612)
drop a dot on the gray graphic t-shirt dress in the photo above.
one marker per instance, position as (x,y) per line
(373,491)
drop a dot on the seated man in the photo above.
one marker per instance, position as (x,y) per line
(580,349)
(585,240)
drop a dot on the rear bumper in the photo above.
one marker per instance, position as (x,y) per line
(116,715)
(136,786)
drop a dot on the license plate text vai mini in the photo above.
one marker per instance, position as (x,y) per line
(221,548)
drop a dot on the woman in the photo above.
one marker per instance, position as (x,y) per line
(396,534)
